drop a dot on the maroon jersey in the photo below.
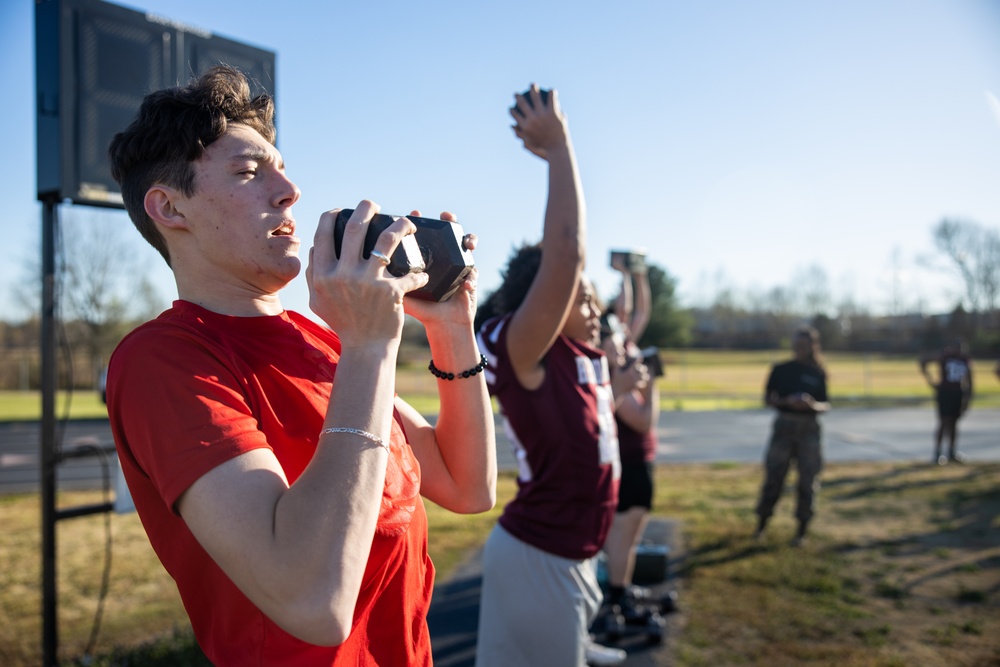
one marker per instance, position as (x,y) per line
(565,443)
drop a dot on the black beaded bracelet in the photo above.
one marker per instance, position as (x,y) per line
(475,370)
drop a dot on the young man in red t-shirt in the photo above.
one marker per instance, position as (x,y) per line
(277,475)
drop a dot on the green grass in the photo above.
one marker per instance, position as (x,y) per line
(695,380)
(724,379)
(870,588)
(27,405)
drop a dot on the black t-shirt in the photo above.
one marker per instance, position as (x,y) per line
(795,377)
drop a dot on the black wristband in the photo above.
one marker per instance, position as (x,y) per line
(475,370)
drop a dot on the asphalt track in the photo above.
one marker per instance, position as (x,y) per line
(852,434)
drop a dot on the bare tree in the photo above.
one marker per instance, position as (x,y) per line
(812,287)
(100,276)
(102,290)
(26,293)
(974,254)
(103,286)
(989,269)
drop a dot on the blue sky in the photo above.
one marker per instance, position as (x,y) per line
(739,143)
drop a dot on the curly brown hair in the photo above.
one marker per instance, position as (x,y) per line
(173,128)
(522,267)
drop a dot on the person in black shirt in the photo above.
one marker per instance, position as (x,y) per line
(797,389)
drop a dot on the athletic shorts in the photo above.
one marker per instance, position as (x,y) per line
(636,486)
(949,402)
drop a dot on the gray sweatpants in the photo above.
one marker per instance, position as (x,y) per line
(535,608)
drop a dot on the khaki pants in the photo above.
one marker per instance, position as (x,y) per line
(793,437)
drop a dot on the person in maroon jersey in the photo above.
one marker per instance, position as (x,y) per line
(637,411)
(953,392)
(540,590)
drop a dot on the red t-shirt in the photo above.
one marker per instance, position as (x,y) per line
(565,443)
(193,389)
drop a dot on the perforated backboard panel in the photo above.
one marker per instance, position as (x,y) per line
(94,63)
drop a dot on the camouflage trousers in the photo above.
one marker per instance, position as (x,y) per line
(793,437)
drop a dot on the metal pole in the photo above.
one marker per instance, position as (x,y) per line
(48,433)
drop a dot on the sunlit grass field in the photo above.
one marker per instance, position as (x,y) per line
(901,568)
(717,379)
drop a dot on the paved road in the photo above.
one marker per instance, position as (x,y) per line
(19,455)
(860,434)
(850,434)
(853,434)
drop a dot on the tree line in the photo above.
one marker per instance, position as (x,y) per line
(104,296)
